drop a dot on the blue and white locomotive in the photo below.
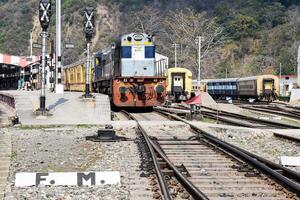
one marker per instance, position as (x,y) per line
(127,72)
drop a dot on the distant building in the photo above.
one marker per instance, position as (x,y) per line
(286,84)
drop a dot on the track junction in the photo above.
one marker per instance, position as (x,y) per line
(212,169)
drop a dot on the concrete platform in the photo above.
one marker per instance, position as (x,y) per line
(66,109)
(291,134)
(5,155)
(7,114)
(295,97)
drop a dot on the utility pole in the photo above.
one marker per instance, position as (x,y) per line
(89,30)
(199,58)
(280,70)
(59,87)
(52,74)
(298,67)
(175,52)
(44,17)
(31,68)
(226,71)
(280,82)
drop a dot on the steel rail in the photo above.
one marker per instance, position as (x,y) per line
(291,138)
(189,186)
(272,111)
(163,185)
(226,120)
(243,117)
(250,158)
(267,122)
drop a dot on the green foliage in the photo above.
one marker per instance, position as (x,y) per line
(243,26)
(259,33)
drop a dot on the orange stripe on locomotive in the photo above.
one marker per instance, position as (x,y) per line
(139,92)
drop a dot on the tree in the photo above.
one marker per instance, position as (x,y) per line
(243,26)
(147,20)
(183,27)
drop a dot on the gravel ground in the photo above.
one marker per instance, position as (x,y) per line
(66,150)
(260,142)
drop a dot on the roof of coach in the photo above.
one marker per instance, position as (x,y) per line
(179,70)
(137,39)
(75,64)
(225,80)
(257,77)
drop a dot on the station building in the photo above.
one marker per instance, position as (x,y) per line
(17,72)
(286,84)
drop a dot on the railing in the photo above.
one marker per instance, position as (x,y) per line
(8,99)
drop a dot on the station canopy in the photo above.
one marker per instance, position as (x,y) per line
(20,61)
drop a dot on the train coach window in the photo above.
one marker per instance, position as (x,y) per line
(126,52)
(149,52)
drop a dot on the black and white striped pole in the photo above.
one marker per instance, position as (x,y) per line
(59,87)
(89,29)
(44,16)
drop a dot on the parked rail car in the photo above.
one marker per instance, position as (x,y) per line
(74,77)
(126,71)
(222,88)
(196,88)
(264,87)
(179,85)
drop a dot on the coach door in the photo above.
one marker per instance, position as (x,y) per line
(268,86)
(178,83)
(268,89)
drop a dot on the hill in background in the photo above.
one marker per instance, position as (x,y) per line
(247,37)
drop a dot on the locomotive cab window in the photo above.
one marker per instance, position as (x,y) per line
(149,52)
(126,52)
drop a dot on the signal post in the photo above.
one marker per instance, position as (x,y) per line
(44,17)
(89,30)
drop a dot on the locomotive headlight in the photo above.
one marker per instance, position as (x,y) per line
(129,38)
(159,89)
(122,90)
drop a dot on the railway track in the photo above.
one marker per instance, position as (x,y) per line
(255,120)
(213,169)
(232,118)
(277,108)
(273,109)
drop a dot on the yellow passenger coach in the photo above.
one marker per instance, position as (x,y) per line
(74,76)
(179,83)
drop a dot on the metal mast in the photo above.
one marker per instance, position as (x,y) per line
(199,59)
(298,68)
(44,17)
(175,53)
(89,29)
(59,88)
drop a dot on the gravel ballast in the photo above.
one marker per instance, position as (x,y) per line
(66,150)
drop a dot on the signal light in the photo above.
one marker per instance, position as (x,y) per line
(159,89)
(45,13)
(122,90)
(89,27)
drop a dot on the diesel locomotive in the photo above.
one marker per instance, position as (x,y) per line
(126,71)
